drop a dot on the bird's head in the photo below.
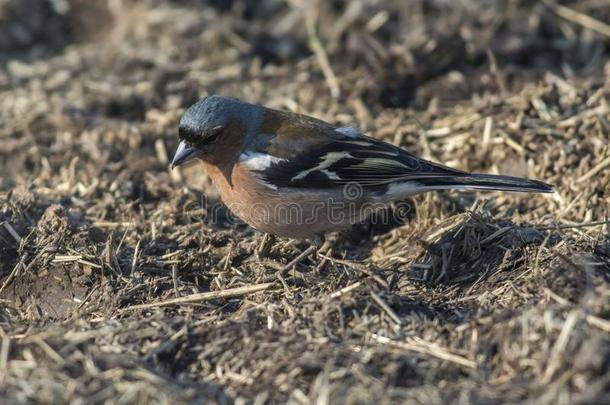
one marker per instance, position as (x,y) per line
(207,125)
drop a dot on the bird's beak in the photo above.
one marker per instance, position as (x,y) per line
(183,154)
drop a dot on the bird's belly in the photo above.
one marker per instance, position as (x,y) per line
(293,213)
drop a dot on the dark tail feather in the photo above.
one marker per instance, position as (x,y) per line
(480,181)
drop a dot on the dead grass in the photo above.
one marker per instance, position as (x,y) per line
(115,287)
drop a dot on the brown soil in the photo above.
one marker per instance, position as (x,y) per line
(469,297)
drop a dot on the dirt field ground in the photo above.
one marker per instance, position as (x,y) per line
(466,298)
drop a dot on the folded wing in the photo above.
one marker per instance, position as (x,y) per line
(348,157)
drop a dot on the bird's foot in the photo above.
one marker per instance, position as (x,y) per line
(265,245)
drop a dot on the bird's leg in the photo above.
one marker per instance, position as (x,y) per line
(325,248)
(265,245)
(318,242)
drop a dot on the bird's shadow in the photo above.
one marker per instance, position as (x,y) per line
(466,250)
(359,240)
(477,249)
(467,255)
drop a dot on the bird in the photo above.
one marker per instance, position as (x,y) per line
(296,176)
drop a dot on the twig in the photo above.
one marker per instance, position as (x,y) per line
(5,344)
(359,267)
(206,296)
(49,351)
(298,259)
(263,249)
(570,226)
(175,280)
(14,272)
(134,261)
(326,248)
(579,18)
(596,169)
(286,288)
(9,228)
(90,264)
(496,234)
(560,346)
(386,308)
(592,320)
(574,120)
(108,224)
(598,322)
(487,132)
(345,290)
(167,344)
(316,46)
(66,258)
(493,67)
(423,347)
(161,151)
(84,301)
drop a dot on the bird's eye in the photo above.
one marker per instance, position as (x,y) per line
(211,134)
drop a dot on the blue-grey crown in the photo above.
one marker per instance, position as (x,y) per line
(213,111)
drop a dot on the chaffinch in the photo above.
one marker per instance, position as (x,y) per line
(293,175)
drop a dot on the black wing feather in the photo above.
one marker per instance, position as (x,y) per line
(371,163)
